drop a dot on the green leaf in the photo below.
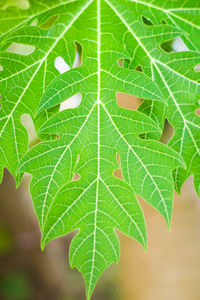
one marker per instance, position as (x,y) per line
(89,139)
(12,17)
(175,73)
(24,78)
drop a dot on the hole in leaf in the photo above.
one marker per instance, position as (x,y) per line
(27,122)
(72,102)
(21,49)
(118,172)
(78,56)
(1,68)
(77,60)
(128,101)
(196,68)
(34,22)
(126,63)
(121,62)
(139,68)
(49,22)
(167,46)
(147,21)
(197,111)
(175,45)
(179,45)
(61,65)
(167,133)
(22,4)
(76,177)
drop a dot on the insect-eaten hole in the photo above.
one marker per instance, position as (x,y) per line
(0,101)
(27,122)
(49,22)
(121,62)
(197,111)
(128,101)
(62,66)
(167,46)
(22,4)
(139,68)
(1,68)
(196,68)
(79,54)
(174,45)
(21,49)
(179,45)
(126,63)
(147,21)
(71,102)
(76,177)
(168,132)
(118,172)
(34,22)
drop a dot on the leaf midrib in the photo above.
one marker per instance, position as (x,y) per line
(98,137)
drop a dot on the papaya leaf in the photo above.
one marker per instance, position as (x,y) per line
(89,138)
(176,73)
(24,77)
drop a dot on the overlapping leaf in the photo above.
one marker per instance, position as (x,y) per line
(90,136)
(175,73)
(24,77)
(32,13)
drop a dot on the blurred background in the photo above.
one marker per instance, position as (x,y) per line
(170,270)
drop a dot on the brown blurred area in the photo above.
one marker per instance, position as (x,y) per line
(171,267)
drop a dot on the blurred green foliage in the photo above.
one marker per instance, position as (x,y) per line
(15,286)
(6,243)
